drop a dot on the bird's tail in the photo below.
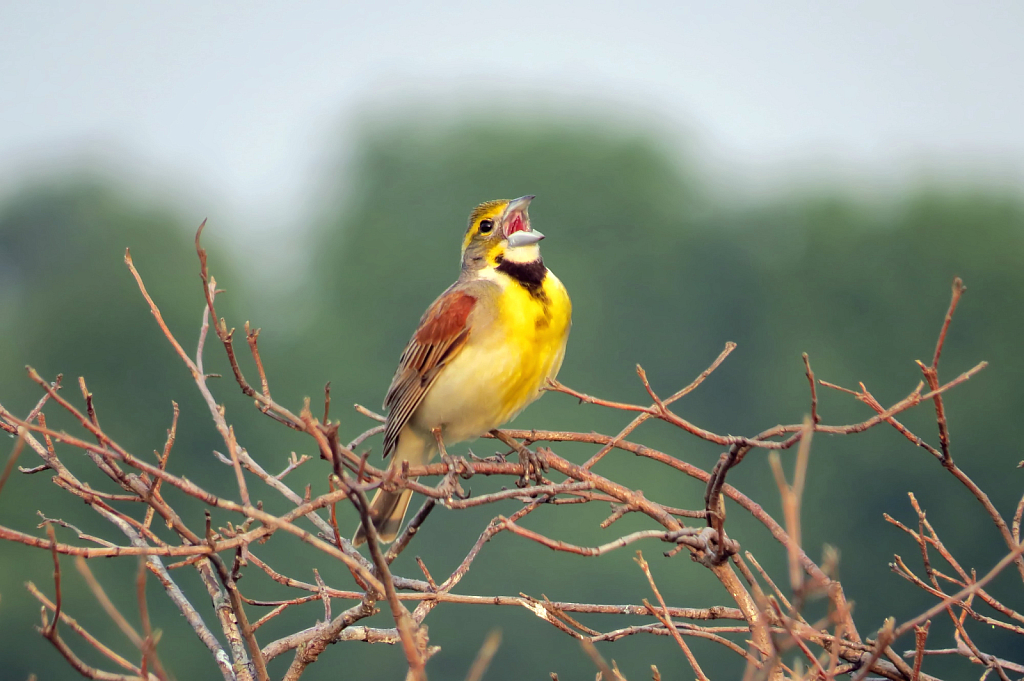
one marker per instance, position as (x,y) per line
(387,510)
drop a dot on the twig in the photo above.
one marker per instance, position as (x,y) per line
(101,597)
(410,531)
(238,609)
(688,536)
(931,373)
(324,595)
(310,643)
(12,459)
(885,637)
(73,624)
(921,637)
(51,631)
(484,656)
(606,672)
(963,593)
(791,501)
(148,644)
(327,402)
(90,408)
(665,619)
(729,347)
(814,390)
(172,433)
(1010,538)
(293,463)
(404,621)
(911,400)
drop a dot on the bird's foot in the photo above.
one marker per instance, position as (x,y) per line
(534,466)
(449,486)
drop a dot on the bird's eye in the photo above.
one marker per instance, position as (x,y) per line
(486,226)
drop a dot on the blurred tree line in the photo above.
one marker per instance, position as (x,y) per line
(663,271)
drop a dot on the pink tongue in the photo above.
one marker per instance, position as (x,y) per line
(516,226)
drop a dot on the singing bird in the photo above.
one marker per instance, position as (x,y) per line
(482,352)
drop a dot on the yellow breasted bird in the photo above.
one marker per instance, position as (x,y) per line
(482,352)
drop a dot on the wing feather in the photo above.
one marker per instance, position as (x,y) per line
(442,333)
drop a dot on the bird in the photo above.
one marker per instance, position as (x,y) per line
(483,350)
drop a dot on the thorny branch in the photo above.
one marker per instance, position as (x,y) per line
(764,624)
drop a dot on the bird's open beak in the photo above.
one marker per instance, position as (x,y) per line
(516,223)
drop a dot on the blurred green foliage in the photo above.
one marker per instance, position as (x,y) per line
(662,270)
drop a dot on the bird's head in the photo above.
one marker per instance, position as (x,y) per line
(500,230)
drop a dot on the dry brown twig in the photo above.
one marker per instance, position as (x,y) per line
(771,623)
(666,619)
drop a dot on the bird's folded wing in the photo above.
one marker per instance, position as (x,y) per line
(443,331)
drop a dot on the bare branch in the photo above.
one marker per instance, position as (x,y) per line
(665,619)
(483,657)
(406,625)
(764,625)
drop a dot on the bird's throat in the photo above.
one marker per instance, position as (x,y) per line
(529,275)
(523,254)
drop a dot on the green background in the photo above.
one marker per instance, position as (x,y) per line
(663,269)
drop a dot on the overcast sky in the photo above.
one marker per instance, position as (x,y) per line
(240,104)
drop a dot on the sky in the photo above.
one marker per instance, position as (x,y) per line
(242,106)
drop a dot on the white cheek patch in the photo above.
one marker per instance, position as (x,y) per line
(523,254)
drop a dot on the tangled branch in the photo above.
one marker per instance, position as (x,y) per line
(762,626)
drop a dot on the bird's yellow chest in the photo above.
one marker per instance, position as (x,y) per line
(534,325)
(537,320)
